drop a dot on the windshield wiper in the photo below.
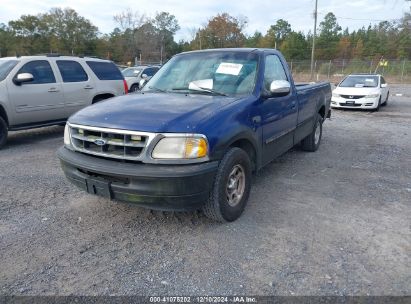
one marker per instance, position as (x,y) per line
(157,89)
(200,89)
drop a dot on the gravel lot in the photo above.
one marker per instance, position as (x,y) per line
(334,222)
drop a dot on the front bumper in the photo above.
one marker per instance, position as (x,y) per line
(361,103)
(163,187)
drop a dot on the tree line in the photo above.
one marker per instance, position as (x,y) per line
(151,39)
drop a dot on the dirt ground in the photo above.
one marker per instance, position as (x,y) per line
(334,222)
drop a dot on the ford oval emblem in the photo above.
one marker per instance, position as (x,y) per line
(100,142)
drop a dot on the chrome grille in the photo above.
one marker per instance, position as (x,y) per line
(352,96)
(112,143)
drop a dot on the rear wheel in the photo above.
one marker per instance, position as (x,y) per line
(312,141)
(3,132)
(101,97)
(231,187)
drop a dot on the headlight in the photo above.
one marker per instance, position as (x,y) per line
(180,148)
(373,96)
(336,95)
(67,135)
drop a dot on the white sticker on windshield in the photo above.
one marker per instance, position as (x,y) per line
(369,80)
(229,68)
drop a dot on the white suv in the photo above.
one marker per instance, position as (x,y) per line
(134,75)
(45,90)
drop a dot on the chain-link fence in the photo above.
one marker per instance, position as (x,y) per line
(395,71)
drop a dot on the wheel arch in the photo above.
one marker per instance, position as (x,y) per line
(321,111)
(3,114)
(247,143)
(102,96)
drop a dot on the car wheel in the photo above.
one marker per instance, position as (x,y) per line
(312,141)
(378,106)
(134,88)
(3,132)
(386,100)
(231,187)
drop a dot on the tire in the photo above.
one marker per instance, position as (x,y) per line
(134,88)
(3,132)
(386,100)
(378,106)
(231,188)
(312,141)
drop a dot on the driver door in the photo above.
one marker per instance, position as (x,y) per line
(278,113)
(384,91)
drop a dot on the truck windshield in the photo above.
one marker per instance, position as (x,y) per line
(5,67)
(360,82)
(214,73)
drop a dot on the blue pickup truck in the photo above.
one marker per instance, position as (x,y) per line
(194,135)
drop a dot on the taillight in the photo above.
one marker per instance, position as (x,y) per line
(125,86)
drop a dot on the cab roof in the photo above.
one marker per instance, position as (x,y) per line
(242,50)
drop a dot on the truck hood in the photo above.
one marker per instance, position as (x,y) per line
(356,91)
(151,112)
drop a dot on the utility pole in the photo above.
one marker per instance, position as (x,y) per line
(313,47)
(199,36)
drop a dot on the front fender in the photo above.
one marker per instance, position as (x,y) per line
(233,136)
(231,124)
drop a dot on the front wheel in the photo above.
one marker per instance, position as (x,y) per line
(386,99)
(378,105)
(312,141)
(134,88)
(231,187)
(3,132)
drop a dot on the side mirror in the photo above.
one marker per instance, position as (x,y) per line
(281,87)
(141,83)
(22,78)
(383,85)
(144,76)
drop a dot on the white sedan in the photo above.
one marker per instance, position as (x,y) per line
(361,91)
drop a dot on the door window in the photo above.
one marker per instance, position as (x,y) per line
(274,70)
(41,71)
(105,70)
(71,71)
(149,72)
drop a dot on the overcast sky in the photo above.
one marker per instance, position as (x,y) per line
(193,14)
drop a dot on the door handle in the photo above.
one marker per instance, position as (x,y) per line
(292,106)
(52,90)
(88,87)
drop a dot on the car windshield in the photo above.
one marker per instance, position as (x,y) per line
(130,72)
(214,73)
(360,82)
(5,67)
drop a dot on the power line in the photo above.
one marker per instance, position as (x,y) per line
(358,19)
